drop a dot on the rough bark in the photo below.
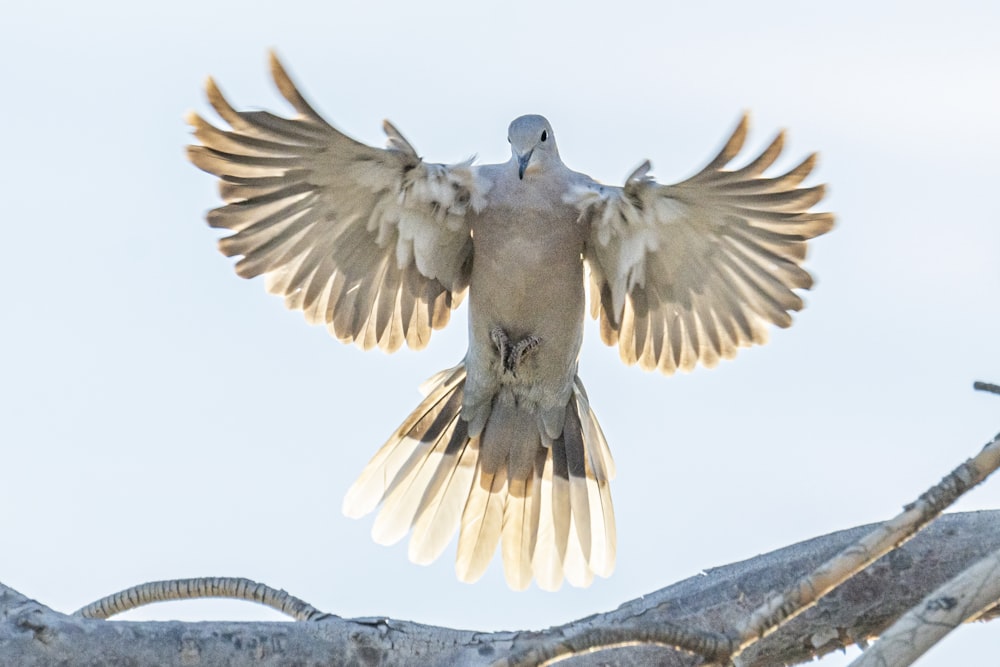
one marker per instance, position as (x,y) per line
(31,635)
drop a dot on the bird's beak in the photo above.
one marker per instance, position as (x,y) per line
(522,163)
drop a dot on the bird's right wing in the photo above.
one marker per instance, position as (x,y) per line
(373,243)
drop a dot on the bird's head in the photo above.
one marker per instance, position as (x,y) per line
(532,143)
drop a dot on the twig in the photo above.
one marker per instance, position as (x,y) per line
(200,587)
(710,646)
(986,386)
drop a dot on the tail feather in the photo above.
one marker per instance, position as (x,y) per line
(576,456)
(593,435)
(600,470)
(385,467)
(577,569)
(602,547)
(542,455)
(562,512)
(442,380)
(546,561)
(520,531)
(513,545)
(441,509)
(606,565)
(482,522)
(553,517)
(402,500)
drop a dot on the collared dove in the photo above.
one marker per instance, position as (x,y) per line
(380,246)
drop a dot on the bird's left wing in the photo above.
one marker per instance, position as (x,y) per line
(690,272)
(373,243)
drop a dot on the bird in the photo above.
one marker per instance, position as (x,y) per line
(380,246)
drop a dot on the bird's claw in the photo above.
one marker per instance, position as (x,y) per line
(512,355)
(521,348)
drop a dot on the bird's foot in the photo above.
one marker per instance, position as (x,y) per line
(521,348)
(502,341)
(511,355)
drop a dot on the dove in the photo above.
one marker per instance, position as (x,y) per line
(380,246)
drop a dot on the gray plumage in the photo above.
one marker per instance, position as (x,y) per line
(380,246)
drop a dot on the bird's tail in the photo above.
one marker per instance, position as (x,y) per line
(553,516)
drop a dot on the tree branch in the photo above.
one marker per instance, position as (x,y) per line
(962,599)
(805,592)
(829,583)
(986,386)
(32,635)
(201,587)
(801,595)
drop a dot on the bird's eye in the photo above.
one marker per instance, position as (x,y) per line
(508,140)
(545,135)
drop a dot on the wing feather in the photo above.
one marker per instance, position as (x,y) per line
(687,273)
(375,236)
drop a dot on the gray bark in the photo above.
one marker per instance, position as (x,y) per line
(32,635)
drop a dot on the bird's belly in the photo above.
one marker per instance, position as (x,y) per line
(530,290)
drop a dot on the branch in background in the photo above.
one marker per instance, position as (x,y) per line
(986,386)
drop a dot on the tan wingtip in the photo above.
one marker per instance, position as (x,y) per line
(217,100)
(733,145)
(396,140)
(279,73)
(274,62)
(211,87)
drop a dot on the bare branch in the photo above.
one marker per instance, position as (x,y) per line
(986,386)
(708,645)
(34,636)
(201,587)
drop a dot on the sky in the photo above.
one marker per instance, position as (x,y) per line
(162,418)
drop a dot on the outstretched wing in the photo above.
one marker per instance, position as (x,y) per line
(688,273)
(371,242)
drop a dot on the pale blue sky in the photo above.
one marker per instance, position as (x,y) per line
(161,418)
